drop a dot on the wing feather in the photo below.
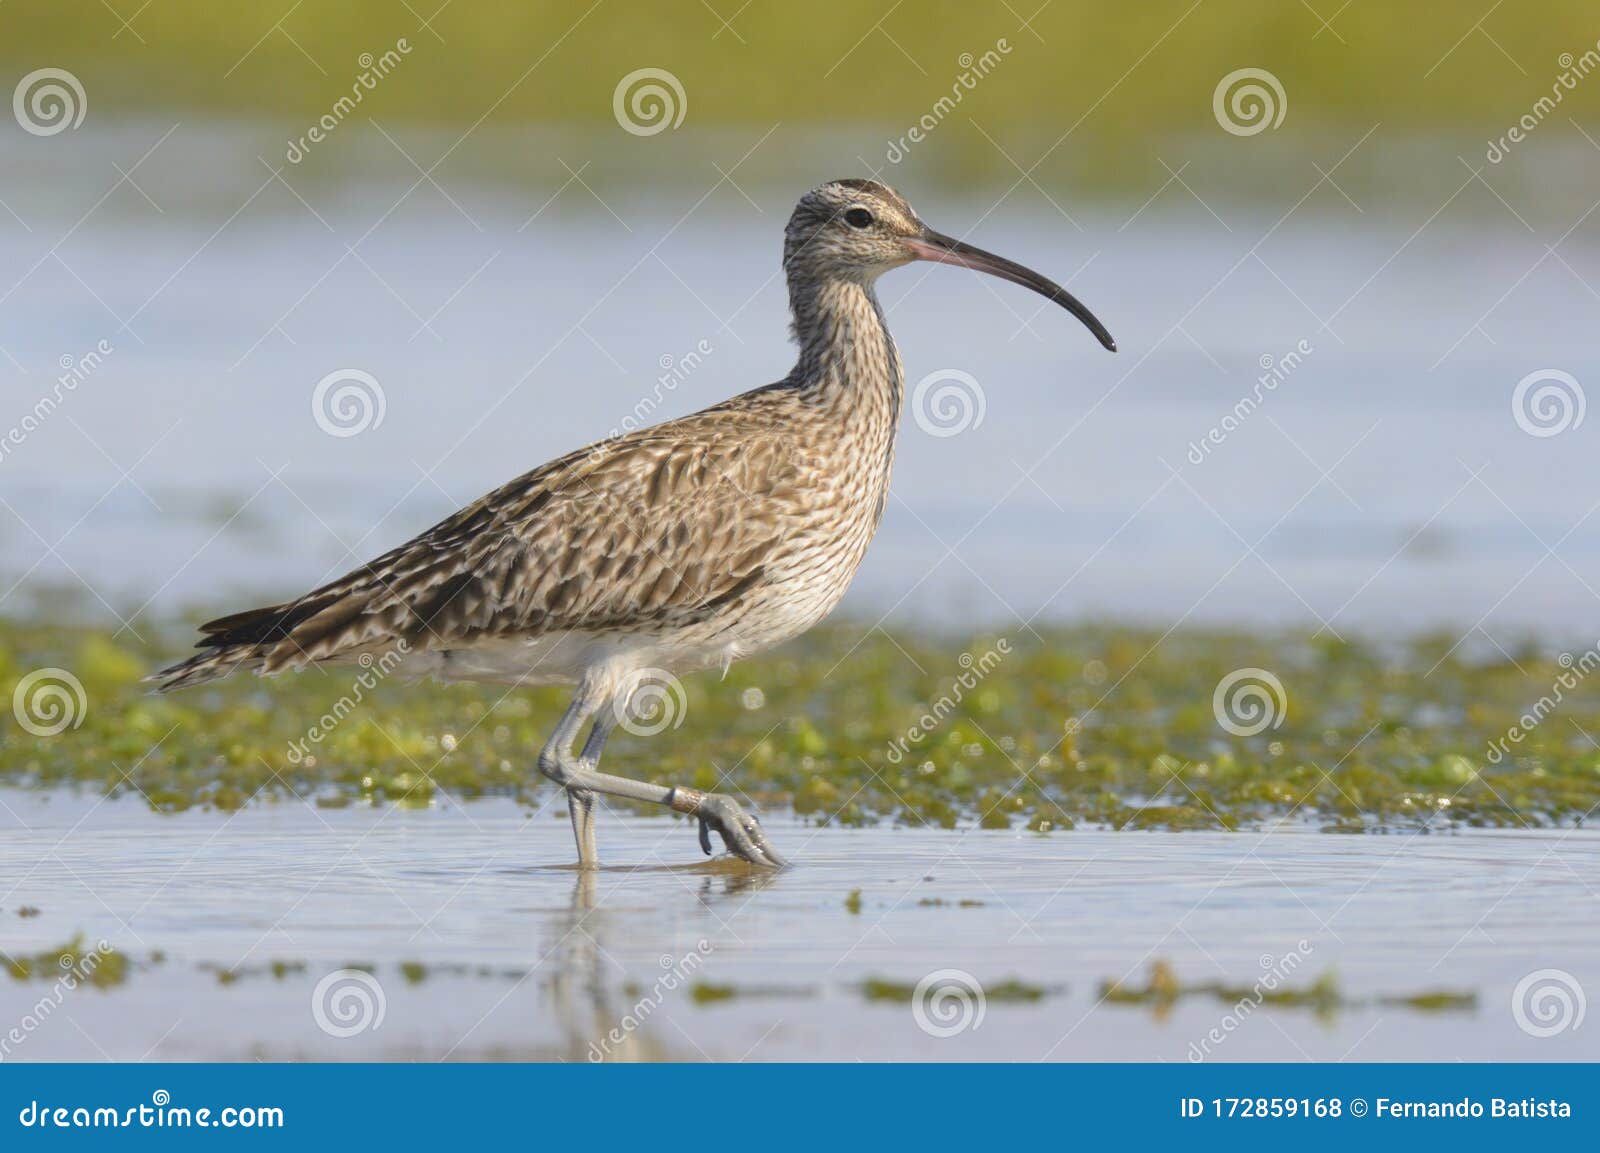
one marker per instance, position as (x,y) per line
(659,528)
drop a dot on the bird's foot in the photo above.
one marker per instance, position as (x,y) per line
(741,833)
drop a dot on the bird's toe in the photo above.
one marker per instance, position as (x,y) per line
(741,833)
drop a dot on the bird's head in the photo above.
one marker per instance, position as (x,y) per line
(860,229)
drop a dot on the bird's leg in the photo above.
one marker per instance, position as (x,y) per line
(580,806)
(556,761)
(740,832)
(580,802)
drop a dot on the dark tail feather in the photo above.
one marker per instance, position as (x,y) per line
(234,643)
(255,626)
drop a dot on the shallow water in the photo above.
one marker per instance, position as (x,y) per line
(523,958)
(1385,482)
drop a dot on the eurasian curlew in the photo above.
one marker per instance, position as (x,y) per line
(682,546)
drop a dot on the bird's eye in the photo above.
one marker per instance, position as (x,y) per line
(858,218)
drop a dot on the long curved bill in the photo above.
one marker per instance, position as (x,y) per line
(941,249)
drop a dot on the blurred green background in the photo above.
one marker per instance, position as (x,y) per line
(1422,69)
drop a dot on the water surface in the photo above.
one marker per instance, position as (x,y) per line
(1384,482)
(511,955)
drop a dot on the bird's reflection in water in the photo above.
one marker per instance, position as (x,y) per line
(607,1013)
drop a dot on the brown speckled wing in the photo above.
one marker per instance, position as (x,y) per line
(656,529)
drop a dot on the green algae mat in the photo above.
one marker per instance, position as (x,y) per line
(1084,727)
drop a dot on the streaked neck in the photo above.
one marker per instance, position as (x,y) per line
(846,352)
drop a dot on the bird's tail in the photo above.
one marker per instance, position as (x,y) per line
(204,667)
(241,642)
